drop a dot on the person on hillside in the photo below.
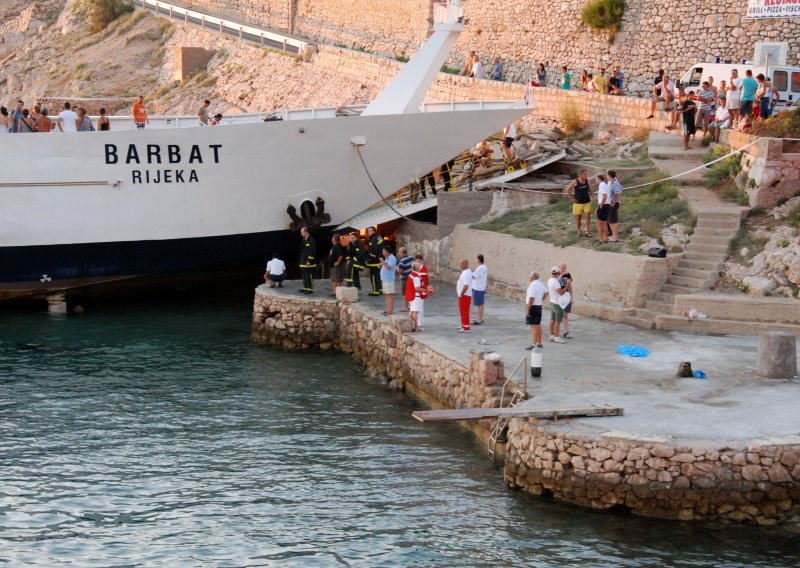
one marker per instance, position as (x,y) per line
(103,122)
(600,82)
(388,275)
(140,117)
(566,78)
(747,94)
(603,208)
(764,95)
(615,190)
(308,261)
(498,71)
(687,110)
(15,116)
(584,80)
(275,273)
(202,113)
(581,197)
(534,298)
(468,64)
(477,68)
(374,260)
(541,75)
(464,293)
(722,119)
(555,291)
(705,114)
(67,119)
(480,281)
(616,81)
(663,91)
(45,124)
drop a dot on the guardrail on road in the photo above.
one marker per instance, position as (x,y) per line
(237,30)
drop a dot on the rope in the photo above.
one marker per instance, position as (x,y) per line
(374,185)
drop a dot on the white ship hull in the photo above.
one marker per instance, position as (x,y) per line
(92,206)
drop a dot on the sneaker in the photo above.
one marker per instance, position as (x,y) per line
(280,284)
(540,346)
(552,338)
(558,340)
(567,336)
(420,328)
(462,330)
(530,347)
(476,322)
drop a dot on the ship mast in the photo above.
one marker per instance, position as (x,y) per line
(405,93)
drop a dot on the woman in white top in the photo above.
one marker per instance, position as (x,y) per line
(603,207)
(5,120)
(732,102)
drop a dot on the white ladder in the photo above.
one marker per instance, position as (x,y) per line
(519,395)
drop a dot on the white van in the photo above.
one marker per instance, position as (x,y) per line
(785,80)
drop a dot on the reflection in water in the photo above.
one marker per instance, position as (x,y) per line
(162,435)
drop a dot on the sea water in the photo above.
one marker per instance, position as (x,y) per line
(160,435)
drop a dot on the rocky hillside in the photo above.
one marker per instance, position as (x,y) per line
(49,54)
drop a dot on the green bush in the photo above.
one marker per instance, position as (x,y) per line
(103,12)
(604,15)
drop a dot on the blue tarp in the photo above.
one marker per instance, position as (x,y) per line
(632,350)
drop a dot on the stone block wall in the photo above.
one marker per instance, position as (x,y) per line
(654,35)
(758,482)
(775,174)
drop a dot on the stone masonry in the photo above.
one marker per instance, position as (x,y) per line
(654,35)
(757,483)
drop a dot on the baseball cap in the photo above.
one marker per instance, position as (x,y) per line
(555,270)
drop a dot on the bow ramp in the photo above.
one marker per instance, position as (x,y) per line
(410,200)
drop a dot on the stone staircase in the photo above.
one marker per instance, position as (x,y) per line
(717,223)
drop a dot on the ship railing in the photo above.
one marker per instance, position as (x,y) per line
(227,27)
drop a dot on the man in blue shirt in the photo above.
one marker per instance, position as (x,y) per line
(15,116)
(388,267)
(748,88)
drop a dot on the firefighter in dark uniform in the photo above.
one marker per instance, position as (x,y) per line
(375,260)
(355,262)
(308,261)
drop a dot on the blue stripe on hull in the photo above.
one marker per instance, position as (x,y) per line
(101,260)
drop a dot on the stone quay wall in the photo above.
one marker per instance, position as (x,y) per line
(522,33)
(384,349)
(774,171)
(759,483)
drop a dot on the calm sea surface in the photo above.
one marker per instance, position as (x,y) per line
(160,435)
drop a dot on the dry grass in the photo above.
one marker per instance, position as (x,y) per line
(570,117)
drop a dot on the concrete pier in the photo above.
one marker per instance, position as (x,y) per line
(723,447)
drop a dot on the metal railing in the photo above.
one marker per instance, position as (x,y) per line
(238,30)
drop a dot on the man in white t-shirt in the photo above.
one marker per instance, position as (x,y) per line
(480,278)
(663,91)
(464,291)
(68,119)
(556,312)
(276,272)
(533,308)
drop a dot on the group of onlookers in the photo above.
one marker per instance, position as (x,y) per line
(735,103)
(23,121)
(608,201)
(473,67)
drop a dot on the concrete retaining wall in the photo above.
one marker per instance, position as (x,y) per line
(511,260)
(741,308)
(774,172)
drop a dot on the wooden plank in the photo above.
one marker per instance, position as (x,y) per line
(464,414)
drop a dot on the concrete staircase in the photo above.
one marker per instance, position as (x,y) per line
(717,223)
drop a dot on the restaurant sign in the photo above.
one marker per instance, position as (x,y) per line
(773,9)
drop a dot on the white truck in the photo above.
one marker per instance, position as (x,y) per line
(770,59)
